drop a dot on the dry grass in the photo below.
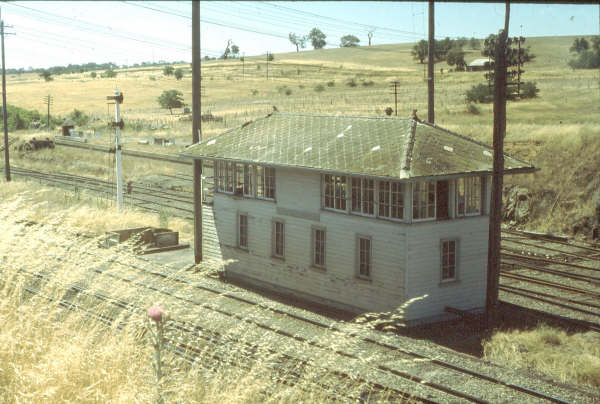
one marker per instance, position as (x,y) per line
(567,358)
(49,354)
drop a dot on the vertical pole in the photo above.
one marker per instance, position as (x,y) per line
(267,65)
(196,129)
(48,101)
(497,174)
(243,66)
(396,97)
(430,57)
(519,68)
(6,159)
(118,161)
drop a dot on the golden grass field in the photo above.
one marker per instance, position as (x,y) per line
(558,131)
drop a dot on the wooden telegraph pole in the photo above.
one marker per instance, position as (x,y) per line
(430,58)
(48,101)
(5,115)
(196,130)
(498,169)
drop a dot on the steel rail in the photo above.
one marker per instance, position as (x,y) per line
(559,298)
(594,247)
(570,254)
(565,306)
(530,279)
(518,261)
(220,339)
(546,260)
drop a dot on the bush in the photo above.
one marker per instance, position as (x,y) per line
(529,90)
(168,70)
(586,60)
(351,83)
(19,118)
(178,74)
(80,118)
(109,73)
(330,83)
(254,91)
(288,91)
(388,111)
(480,93)
(93,75)
(472,109)
(152,78)
(319,88)
(368,83)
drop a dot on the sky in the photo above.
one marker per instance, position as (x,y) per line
(127,32)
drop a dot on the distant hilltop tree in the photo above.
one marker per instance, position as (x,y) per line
(579,45)
(348,41)
(168,70)
(171,99)
(317,38)
(586,58)
(299,41)
(419,51)
(46,75)
(178,74)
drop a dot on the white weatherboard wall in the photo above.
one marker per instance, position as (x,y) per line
(298,206)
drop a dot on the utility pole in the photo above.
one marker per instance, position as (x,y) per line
(196,129)
(48,101)
(118,125)
(243,67)
(267,65)
(498,169)
(5,115)
(430,57)
(394,84)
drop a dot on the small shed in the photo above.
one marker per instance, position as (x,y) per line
(67,126)
(478,65)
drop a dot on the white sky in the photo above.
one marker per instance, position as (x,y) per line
(59,33)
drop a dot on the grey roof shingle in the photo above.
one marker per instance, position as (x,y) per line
(376,146)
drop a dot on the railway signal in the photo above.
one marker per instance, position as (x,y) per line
(118,125)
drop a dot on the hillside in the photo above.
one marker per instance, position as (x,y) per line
(552,130)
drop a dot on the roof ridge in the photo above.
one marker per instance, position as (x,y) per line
(433,125)
(342,116)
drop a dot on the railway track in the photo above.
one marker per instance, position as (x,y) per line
(452,371)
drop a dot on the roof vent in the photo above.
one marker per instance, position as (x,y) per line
(211,142)
(449,148)
(375,148)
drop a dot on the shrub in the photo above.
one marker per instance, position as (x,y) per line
(368,83)
(288,91)
(472,109)
(254,91)
(388,111)
(152,78)
(178,74)
(168,70)
(330,83)
(586,60)
(301,86)
(480,93)
(319,88)
(529,90)
(80,118)
(109,73)
(93,75)
(351,83)
(19,118)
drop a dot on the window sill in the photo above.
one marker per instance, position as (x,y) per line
(362,279)
(318,269)
(242,249)
(449,282)
(277,259)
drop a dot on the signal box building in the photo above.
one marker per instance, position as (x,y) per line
(360,213)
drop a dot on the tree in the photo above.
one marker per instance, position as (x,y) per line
(370,36)
(178,74)
(348,41)
(419,51)
(235,50)
(227,50)
(46,75)
(474,43)
(299,41)
(109,73)
(171,99)
(596,44)
(317,38)
(579,45)
(168,70)
(93,75)
(456,56)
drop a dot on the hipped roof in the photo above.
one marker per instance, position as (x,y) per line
(391,147)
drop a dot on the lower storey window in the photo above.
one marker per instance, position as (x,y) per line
(278,239)
(364,257)
(448,260)
(319,248)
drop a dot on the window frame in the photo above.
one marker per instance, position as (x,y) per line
(338,187)
(470,191)
(427,204)
(314,249)
(239,231)
(274,240)
(359,275)
(229,175)
(455,278)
